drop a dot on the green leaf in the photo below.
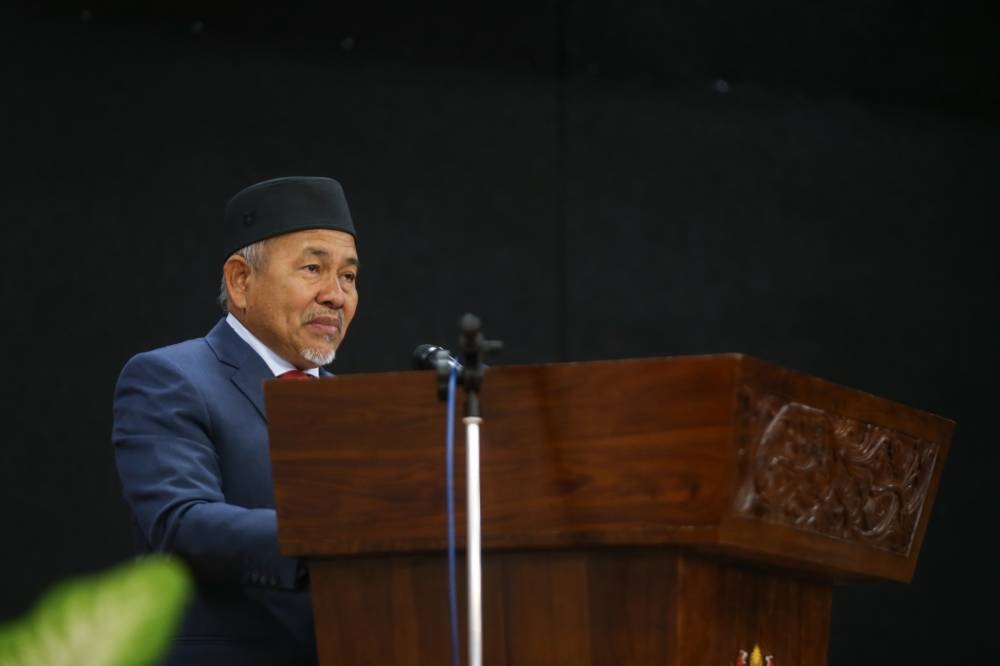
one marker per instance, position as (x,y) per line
(125,616)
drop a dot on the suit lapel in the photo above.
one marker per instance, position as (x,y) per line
(249,369)
(251,382)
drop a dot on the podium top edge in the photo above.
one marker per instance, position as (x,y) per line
(735,358)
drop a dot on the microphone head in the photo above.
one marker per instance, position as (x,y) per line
(425,357)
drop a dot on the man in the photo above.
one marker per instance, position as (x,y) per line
(190,433)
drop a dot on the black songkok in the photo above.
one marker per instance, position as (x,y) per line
(283,205)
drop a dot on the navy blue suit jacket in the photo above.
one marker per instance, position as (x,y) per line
(191,448)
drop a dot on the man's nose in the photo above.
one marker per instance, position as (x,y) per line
(332,294)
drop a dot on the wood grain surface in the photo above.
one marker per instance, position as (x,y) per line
(636,452)
(599,607)
(655,511)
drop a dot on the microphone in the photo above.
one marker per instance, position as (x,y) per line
(429,357)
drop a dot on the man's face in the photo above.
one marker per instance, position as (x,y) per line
(303,298)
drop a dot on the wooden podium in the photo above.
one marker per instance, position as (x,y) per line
(667,511)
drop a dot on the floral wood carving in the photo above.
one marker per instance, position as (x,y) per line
(832,475)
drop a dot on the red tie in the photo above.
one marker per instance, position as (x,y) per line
(295,374)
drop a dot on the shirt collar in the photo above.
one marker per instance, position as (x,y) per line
(277,364)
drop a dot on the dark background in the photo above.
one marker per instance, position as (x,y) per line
(809,183)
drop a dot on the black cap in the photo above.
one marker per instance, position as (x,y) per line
(283,205)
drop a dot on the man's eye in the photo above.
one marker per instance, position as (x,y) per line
(350,277)
(312,268)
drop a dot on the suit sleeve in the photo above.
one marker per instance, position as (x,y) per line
(169,470)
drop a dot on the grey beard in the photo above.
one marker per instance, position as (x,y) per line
(319,357)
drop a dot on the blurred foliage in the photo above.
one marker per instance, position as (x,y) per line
(124,616)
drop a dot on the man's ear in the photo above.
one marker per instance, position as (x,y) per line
(237,272)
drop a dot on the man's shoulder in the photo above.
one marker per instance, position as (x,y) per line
(194,354)
(195,350)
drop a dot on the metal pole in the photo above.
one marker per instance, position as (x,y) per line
(474,542)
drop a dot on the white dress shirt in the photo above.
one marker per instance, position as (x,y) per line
(277,364)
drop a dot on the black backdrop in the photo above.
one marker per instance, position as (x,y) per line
(812,185)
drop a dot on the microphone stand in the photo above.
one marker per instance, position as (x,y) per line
(470,374)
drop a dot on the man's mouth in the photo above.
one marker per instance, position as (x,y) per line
(327,325)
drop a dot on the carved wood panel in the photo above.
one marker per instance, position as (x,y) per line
(813,470)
